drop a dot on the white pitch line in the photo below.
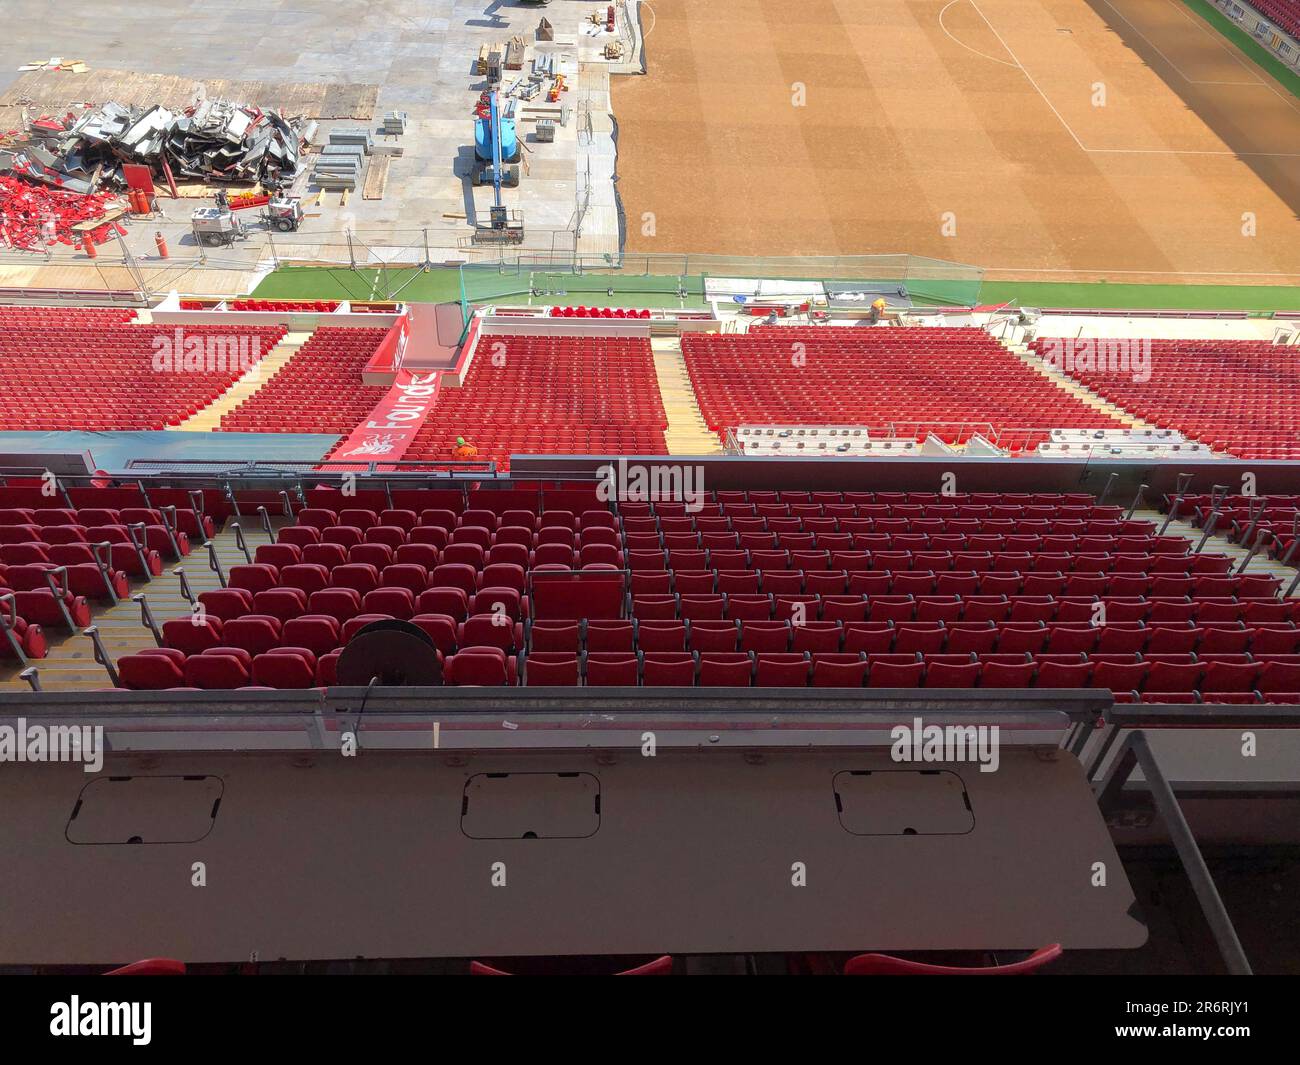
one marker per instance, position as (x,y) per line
(1123,151)
(1159,51)
(1029,76)
(1218,39)
(982,55)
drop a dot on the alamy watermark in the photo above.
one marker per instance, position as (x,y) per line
(22,742)
(179,352)
(1128,356)
(922,743)
(637,482)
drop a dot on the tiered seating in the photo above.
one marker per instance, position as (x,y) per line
(953,382)
(1286,13)
(73,368)
(598,312)
(550,395)
(55,562)
(319,390)
(305,306)
(1242,396)
(769,589)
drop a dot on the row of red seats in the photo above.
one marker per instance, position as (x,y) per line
(317,306)
(318,390)
(1165,679)
(598,312)
(1286,13)
(935,379)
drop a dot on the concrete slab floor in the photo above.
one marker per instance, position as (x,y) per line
(419,52)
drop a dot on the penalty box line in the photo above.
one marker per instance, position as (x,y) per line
(1117,151)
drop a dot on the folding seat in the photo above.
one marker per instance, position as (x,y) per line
(872,637)
(1072,639)
(433,535)
(389,535)
(52,518)
(479,537)
(1006,671)
(255,633)
(851,561)
(563,519)
(915,636)
(871,583)
(695,606)
(844,608)
(1278,677)
(1173,673)
(913,583)
(782,582)
(686,582)
(1033,608)
(1222,677)
(152,669)
(553,669)
(512,554)
(780,670)
(650,582)
(894,670)
(285,667)
(1121,637)
(596,519)
(1053,584)
(307,577)
(440,628)
(345,536)
(1003,584)
(619,669)
(499,600)
(765,636)
(354,625)
(837,670)
(21,534)
(828,582)
(638,559)
(746,607)
(280,603)
(326,555)
(339,603)
(1170,585)
(320,633)
(402,519)
(1019,637)
(277,555)
(663,669)
(663,607)
(226,603)
(219,668)
(660,635)
(1055,671)
(1259,611)
(817,636)
(951,671)
(438,519)
(810,561)
(471,555)
(377,555)
(607,554)
(1281,638)
(945,608)
(447,575)
(710,636)
(609,635)
(891,608)
(487,519)
(26,554)
(1252,585)
(720,670)
(317,517)
(1168,611)
(487,630)
(1229,638)
(513,534)
(966,637)
(254,577)
(395,602)
(480,667)
(985,607)
(192,634)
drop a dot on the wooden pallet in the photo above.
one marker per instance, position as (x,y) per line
(376,178)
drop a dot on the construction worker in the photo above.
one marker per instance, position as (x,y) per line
(464,450)
(877,309)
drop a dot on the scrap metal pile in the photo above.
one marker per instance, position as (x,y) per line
(214,141)
(33,217)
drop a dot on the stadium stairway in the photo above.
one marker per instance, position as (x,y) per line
(1068,384)
(686,434)
(209,418)
(70,664)
(1221,545)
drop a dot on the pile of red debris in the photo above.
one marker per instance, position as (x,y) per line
(33,216)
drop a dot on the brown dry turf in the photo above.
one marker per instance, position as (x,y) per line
(982,108)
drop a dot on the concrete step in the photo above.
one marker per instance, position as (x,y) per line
(209,418)
(687,433)
(1221,545)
